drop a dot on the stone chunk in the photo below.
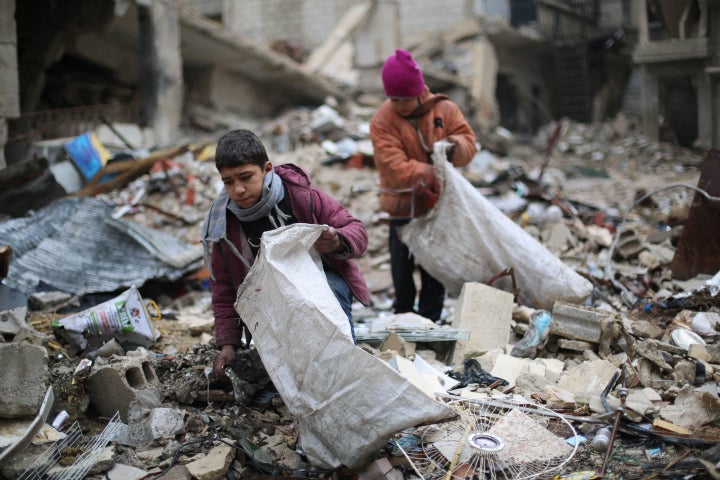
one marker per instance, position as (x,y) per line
(13,320)
(24,378)
(587,379)
(579,322)
(380,469)
(46,300)
(576,345)
(485,312)
(215,464)
(125,472)
(692,409)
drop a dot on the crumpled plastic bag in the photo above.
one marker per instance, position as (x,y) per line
(465,238)
(536,336)
(347,402)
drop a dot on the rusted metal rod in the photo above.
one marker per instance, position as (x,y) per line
(618,416)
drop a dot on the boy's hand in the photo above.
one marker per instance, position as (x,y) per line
(329,241)
(450,151)
(225,357)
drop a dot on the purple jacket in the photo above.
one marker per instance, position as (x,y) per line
(309,205)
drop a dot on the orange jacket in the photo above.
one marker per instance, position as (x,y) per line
(400,158)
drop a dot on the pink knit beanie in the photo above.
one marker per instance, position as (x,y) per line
(401,76)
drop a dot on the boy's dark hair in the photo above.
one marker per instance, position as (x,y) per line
(240,147)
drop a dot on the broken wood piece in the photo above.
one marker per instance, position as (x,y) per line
(128,170)
(659,423)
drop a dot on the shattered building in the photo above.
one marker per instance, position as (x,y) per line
(516,63)
(613,101)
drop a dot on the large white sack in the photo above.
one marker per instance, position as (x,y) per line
(347,402)
(465,238)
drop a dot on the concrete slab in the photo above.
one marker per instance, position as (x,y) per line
(485,312)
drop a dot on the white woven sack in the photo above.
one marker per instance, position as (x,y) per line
(347,402)
(465,238)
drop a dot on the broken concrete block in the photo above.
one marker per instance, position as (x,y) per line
(214,464)
(24,378)
(380,469)
(47,300)
(284,456)
(13,320)
(115,383)
(485,312)
(528,384)
(196,325)
(638,405)
(509,368)
(692,409)
(178,472)
(121,471)
(104,462)
(587,379)
(575,345)
(579,322)
(646,329)
(553,368)
(600,235)
(158,426)
(684,372)
(712,352)
(150,454)
(398,344)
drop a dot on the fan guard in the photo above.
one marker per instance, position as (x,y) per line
(492,438)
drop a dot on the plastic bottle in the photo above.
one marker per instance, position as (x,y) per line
(601,440)
(60,419)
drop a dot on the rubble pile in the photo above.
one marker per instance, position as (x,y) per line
(638,357)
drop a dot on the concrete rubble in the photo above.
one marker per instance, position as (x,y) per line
(642,341)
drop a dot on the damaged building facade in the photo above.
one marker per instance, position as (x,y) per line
(516,63)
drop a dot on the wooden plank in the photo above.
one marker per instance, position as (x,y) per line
(659,423)
(129,170)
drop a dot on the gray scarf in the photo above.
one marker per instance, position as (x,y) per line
(214,227)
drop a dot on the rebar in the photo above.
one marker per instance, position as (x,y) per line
(618,416)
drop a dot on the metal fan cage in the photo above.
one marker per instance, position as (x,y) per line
(492,438)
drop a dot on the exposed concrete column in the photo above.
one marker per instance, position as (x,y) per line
(162,80)
(705,110)
(650,108)
(377,40)
(9,84)
(484,84)
(380,36)
(641,9)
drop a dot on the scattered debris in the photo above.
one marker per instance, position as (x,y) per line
(638,329)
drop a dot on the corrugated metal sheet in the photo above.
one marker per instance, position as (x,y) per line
(76,246)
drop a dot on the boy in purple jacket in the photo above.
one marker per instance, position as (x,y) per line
(259,197)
